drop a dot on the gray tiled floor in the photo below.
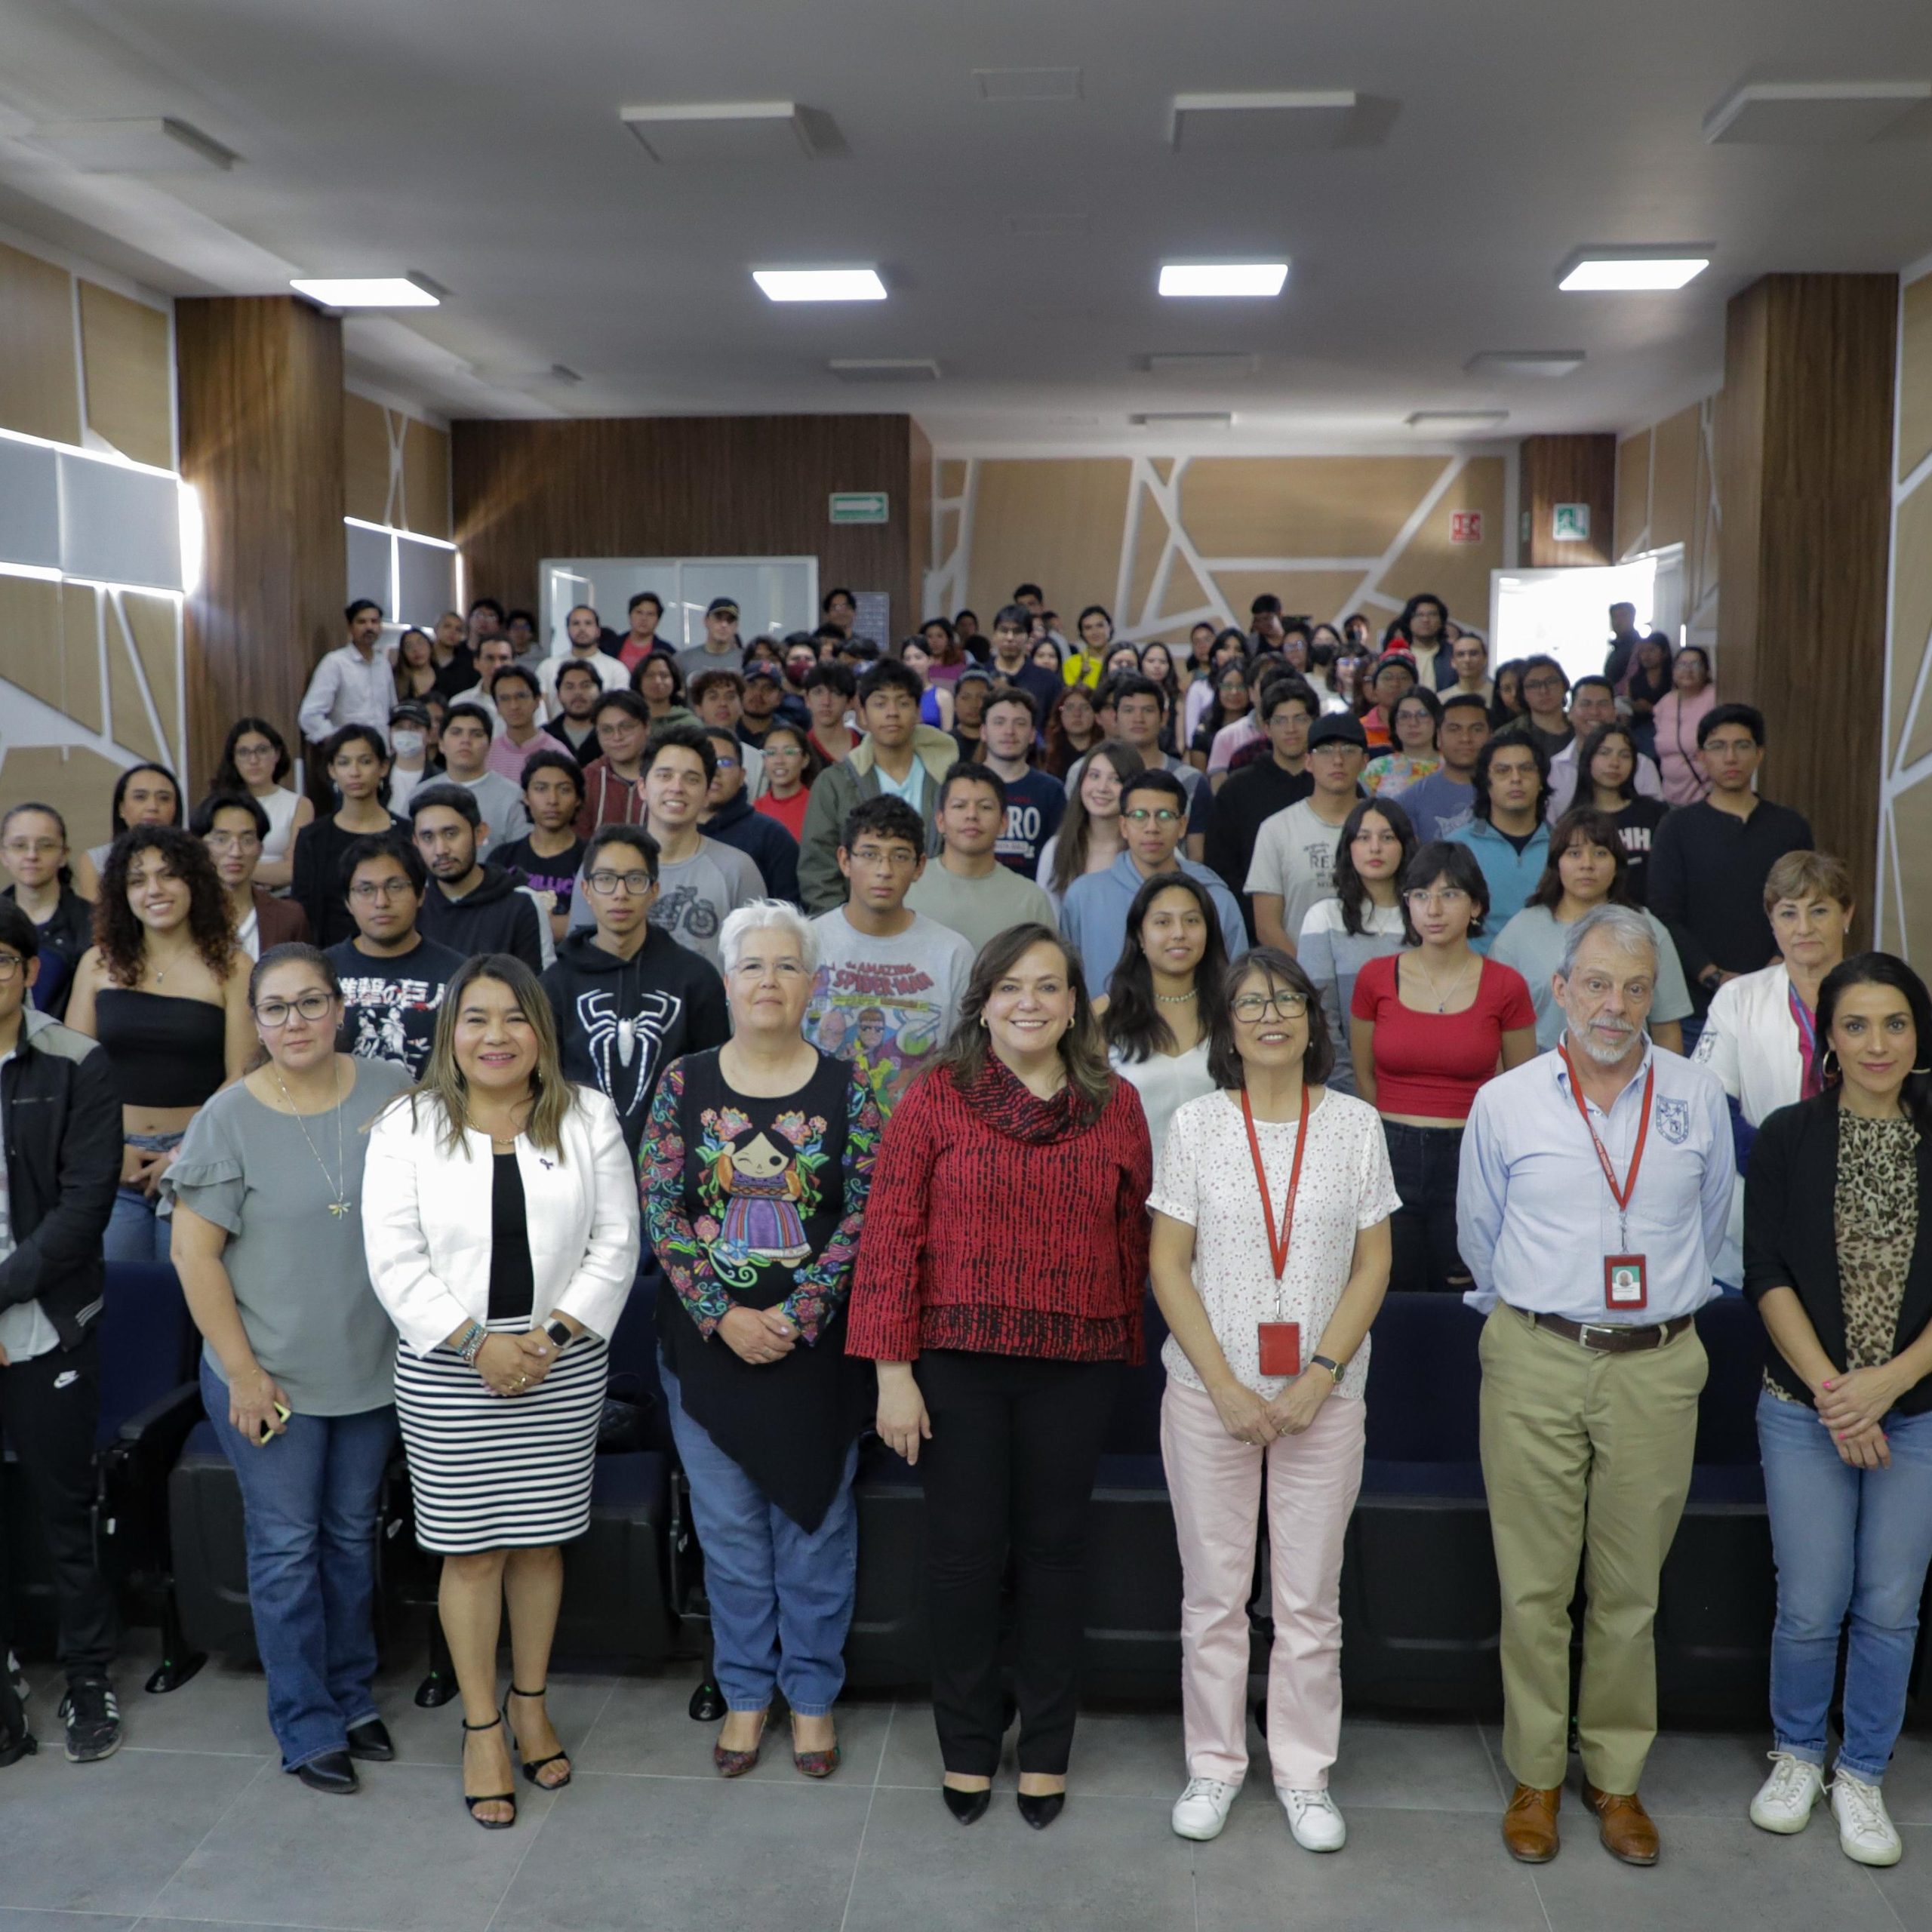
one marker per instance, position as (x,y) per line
(193,1825)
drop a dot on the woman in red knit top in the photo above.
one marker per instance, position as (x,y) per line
(1005,1253)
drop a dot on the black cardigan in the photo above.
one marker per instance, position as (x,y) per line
(1791,1238)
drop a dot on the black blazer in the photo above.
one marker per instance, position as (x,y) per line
(1791,1239)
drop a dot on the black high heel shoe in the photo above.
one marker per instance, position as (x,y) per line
(530,1769)
(968,1806)
(499,1798)
(1040,1811)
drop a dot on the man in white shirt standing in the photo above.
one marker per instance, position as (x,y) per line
(585,630)
(1595,1184)
(355,684)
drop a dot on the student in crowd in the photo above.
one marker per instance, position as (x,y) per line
(790,766)
(999,1341)
(472,907)
(297,1359)
(625,998)
(1153,813)
(255,759)
(504,1276)
(1675,722)
(1036,802)
(60,1123)
(1091,837)
(831,690)
(494,654)
(1624,638)
(358,761)
(1267,1365)
(547,857)
(644,612)
(1469,660)
(1510,835)
(1157,666)
(935,705)
(1232,702)
(1294,851)
(1073,730)
(719,698)
(1011,662)
(1644,686)
(1592,707)
(1165,1005)
(573,721)
(1420,631)
(1095,629)
(233,826)
(965,887)
(1590,1274)
(1445,801)
(354,684)
(1836,1261)
(765,703)
(1362,922)
(729,818)
(1709,860)
(487,620)
(660,683)
(520,627)
(455,667)
(943,646)
(969,710)
(33,850)
(389,978)
(1612,766)
(466,746)
(1252,795)
(165,990)
(889,978)
(897,757)
(413,760)
(514,692)
(1507,706)
(1427,1027)
(1390,679)
(144,795)
(1265,630)
(1413,727)
(1214,651)
(722,650)
(613,781)
(755,1224)
(1545,689)
(415,672)
(1586,869)
(583,632)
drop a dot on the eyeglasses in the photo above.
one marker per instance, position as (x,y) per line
(370,890)
(233,841)
(10,965)
(726,764)
(1543,684)
(633,884)
(1448,898)
(273,1013)
(1140,815)
(1251,1007)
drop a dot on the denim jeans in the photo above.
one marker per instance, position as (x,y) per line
(135,1232)
(1425,1162)
(309,1507)
(781,1599)
(1852,1543)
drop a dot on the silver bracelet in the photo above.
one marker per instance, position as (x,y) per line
(472,1343)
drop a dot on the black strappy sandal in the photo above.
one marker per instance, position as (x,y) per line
(499,1798)
(530,1770)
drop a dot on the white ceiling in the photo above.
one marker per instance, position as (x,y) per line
(477,141)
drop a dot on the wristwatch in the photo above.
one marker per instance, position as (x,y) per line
(1327,1362)
(558,1332)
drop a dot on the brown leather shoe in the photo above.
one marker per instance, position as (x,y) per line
(1624,1825)
(1529,1826)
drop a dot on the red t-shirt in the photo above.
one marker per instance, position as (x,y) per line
(790,813)
(1430,1064)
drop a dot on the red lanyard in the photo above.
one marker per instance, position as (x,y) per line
(1278,1249)
(1809,1085)
(1621,1196)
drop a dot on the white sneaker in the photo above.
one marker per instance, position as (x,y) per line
(1313,1818)
(1785,1799)
(1866,1834)
(1202,1809)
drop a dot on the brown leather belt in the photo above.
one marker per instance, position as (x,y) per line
(1609,1338)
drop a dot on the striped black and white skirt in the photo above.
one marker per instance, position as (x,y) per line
(492,1472)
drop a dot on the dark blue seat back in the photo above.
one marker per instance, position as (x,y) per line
(1424,1381)
(1733,1338)
(149,1343)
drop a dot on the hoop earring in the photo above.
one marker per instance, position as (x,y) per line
(1922,1069)
(1826,1065)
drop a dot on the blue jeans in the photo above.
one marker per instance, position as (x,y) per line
(1425,1162)
(1848,1541)
(309,1507)
(135,1232)
(781,1600)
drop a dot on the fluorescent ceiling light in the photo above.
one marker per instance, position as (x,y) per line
(1299,119)
(1207,362)
(164,146)
(729,131)
(1814,113)
(1625,271)
(885,368)
(379,291)
(1190,419)
(1543,363)
(1027,83)
(1449,420)
(1196,278)
(820,285)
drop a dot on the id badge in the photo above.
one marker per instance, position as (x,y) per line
(1281,1347)
(1624,1283)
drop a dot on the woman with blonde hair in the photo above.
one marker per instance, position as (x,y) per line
(499,1220)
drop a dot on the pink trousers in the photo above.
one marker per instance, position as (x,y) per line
(1313,1479)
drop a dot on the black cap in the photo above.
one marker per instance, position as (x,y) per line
(409,712)
(1338,727)
(764,669)
(719,605)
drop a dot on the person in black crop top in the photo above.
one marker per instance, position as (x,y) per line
(164,989)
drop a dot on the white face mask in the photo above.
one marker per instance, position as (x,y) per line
(407,744)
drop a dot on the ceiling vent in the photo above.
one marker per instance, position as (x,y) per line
(1813,113)
(885,368)
(135,147)
(1209,363)
(1542,364)
(1292,122)
(1456,421)
(1183,419)
(729,131)
(1027,83)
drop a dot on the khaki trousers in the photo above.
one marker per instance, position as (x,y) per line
(1583,1455)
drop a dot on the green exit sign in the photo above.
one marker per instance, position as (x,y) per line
(861,506)
(1569,523)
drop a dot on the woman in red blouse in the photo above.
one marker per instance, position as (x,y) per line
(1005,1253)
(1429,1025)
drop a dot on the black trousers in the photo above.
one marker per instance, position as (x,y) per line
(1425,1162)
(1015,1448)
(49,1407)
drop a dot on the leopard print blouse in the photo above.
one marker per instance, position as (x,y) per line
(1876,1210)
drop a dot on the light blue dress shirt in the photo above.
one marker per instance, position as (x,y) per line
(1534,1216)
(1094,917)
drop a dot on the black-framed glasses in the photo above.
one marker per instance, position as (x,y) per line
(633,884)
(1251,1008)
(312,1006)
(12,964)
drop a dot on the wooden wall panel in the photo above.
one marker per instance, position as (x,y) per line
(691,486)
(365,460)
(1304,506)
(31,637)
(918,524)
(425,479)
(129,376)
(79,681)
(1915,377)
(1457,573)
(1912,624)
(40,393)
(1675,500)
(261,411)
(1053,521)
(1567,469)
(74,779)
(1633,492)
(1320,596)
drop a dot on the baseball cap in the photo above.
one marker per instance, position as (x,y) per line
(409,712)
(762,669)
(1337,728)
(719,606)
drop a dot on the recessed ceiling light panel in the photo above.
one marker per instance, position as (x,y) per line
(1627,271)
(1183,419)
(135,147)
(820,285)
(1210,362)
(1027,83)
(379,291)
(885,368)
(1546,363)
(1449,421)
(1222,278)
(1813,113)
(1293,121)
(721,131)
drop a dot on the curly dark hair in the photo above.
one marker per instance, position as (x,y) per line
(122,938)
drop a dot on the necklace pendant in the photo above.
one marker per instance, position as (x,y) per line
(339,1208)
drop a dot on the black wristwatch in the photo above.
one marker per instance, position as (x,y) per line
(1328,1363)
(558,1332)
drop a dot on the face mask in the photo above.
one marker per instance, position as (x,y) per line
(407,744)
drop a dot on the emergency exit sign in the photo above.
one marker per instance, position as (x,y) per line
(861,506)
(1569,523)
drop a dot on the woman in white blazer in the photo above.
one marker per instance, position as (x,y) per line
(500,1222)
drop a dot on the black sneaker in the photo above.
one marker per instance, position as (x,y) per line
(92,1714)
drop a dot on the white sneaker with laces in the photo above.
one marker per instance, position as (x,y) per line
(1202,1809)
(1313,1820)
(1866,1834)
(1785,1799)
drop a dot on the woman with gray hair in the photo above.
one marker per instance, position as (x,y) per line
(756,1168)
